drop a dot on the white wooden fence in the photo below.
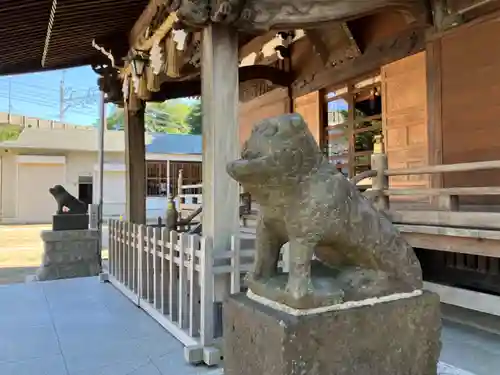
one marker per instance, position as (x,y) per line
(171,276)
(190,197)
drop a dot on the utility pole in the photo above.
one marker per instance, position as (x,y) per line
(61,98)
(10,95)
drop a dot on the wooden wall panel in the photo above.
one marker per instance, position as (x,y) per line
(309,106)
(276,103)
(271,104)
(470,104)
(404,115)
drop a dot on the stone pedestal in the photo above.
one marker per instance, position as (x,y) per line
(70,222)
(398,337)
(69,253)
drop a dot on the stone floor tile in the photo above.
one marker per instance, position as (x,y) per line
(174,364)
(117,368)
(25,316)
(19,343)
(446,369)
(93,358)
(475,337)
(100,332)
(473,358)
(158,346)
(49,365)
(149,369)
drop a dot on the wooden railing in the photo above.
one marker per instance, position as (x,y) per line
(458,245)
(445,210)
(172,275)
(190,199)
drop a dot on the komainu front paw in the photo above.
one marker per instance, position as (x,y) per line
(262,273)
(299,287)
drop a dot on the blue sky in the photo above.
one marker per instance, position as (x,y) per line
(38,95)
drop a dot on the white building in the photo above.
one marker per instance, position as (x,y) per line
(48,153)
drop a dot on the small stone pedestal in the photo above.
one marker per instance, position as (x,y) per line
(398,337)
(68,254)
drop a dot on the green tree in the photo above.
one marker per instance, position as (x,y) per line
(193,119)
(166,117)
(116,120)
(9,132)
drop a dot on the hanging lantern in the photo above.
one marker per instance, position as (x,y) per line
(140,87)
(138,63)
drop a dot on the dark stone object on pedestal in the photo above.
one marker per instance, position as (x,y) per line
(70,222)
(395,337)
(71,213)
(65,199)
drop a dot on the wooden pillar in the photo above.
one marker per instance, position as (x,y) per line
(135,161)
(220,100)
(168,179)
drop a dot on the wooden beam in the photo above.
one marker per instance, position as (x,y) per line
(135,156)
(318,44)
(116,44)
(354,44)
(143,22)
(407,43)
(255,45)
(483,220)
(269,73)
(453,244)
(182,89)
(467,299)
(290,14)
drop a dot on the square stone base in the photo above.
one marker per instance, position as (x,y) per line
(69,253)
(399,337)
(70,222)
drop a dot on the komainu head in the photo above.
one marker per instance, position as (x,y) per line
(280,149)
(57,190)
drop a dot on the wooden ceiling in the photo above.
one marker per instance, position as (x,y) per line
(24,26)
(42,35)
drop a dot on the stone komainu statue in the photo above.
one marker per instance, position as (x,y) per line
(305,201)
(65,199)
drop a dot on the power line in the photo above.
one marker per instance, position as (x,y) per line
(84,102)
(69,99)
(40,82)
(46,104)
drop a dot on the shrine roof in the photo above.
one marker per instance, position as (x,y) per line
(42,35)
(162,143)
